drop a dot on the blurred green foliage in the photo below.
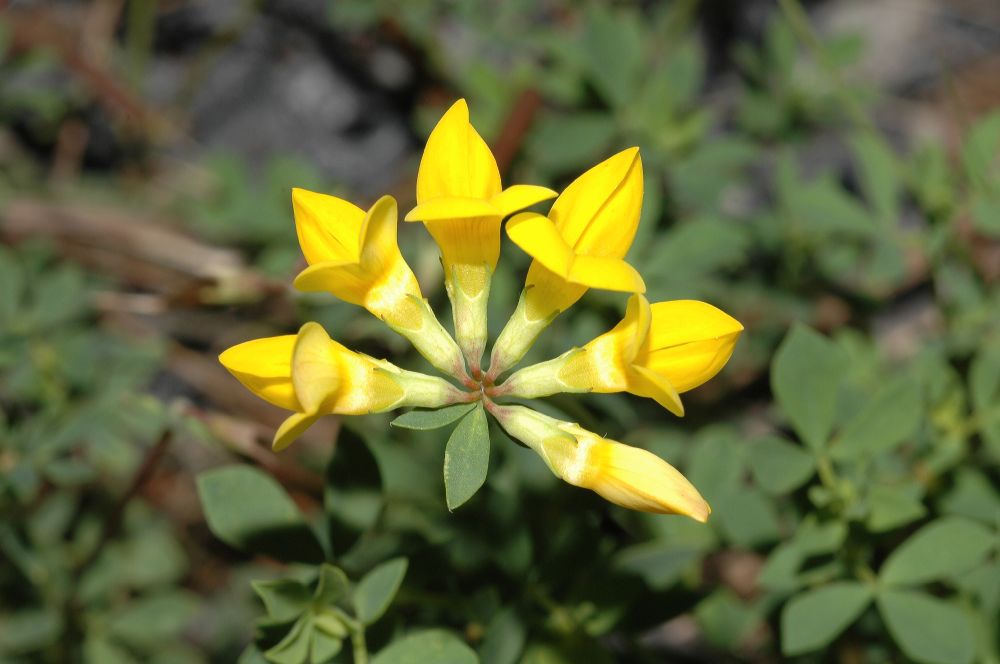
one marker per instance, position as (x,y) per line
(853,474)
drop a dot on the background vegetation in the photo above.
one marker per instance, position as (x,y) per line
(826,174)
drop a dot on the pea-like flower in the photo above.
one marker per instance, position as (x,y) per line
(313,375)
(461,202)
(354,255)
(657,351)
(581,244)
(628,476)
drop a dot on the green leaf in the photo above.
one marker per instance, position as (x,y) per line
(725,619)
(660,563)
(942,548)
(11,287)
(973,496)
(466,458)
(814,538)
(433,645)
(324,647)
(929,630)
(332,586)
(561,142)
(891,417)
(805,378)
(611,47)
(779,466)
(813,619)
(984,389)
(822,208)
(747,517)
(878,175)
(251,655)
(890,507)
(985,209)
(100,650)
(294,648)
(425,420)
(780,571)
(979,150)
(504,639)
(153,620)
(29,629)
(247,509)
(375,591)
(284,599)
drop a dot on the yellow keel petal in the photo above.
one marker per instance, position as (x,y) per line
(264,366)
(689,342)
(293,427)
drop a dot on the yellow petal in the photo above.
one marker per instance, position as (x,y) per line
(264,366)
(631,477)
(606,273)
(598,213)
(315,371)
(540,239)
(474,241)
(634,326)
(689,342)
(547,294)
(329,228)
(519,196)
(645,383)
(604,365)
(293,427)
(378,278)
(456,160)
(452,208)
(366,385)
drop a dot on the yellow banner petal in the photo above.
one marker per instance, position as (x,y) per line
(519,196)
(598,213)
(474,241)
(329,228)
(689,342)
(456,160)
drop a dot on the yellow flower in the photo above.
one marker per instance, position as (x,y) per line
(461,202)
(656,351)
(354,255)
(581,244)
(313,375)
(459,195)
(628,476)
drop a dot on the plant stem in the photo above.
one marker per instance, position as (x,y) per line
(360,648)
(799,22)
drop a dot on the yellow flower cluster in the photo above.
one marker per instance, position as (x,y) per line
(657,351)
